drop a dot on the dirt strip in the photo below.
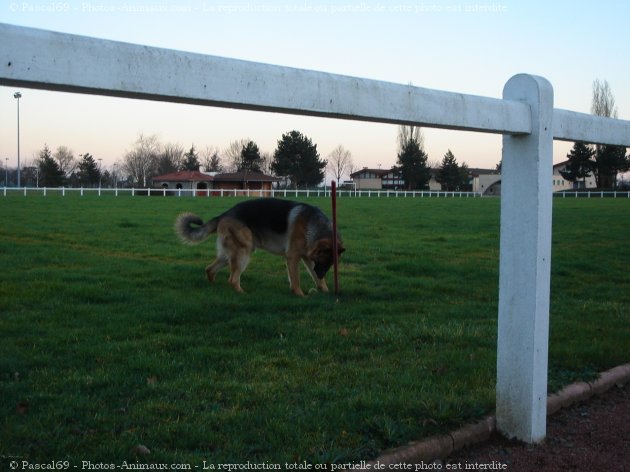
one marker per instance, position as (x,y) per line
(591,435)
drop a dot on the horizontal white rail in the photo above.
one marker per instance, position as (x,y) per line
(56,61)
(573,126)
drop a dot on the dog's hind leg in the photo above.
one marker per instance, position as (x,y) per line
(220,261)
(218,264)
(237,243)
(238,264)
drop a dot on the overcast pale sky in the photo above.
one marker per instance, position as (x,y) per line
(464,46)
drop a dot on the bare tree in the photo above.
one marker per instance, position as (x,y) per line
(265,163)
(340,162)
(170,158)
(603,100)
(408,134)
(233,153)
(210,159)
(66,160)
(140,163)
(434,164)
(352,168)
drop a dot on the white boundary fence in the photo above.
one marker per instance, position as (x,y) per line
(280,193)
(525,117)
(594,194)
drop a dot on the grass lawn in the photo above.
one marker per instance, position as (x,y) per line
(112,338)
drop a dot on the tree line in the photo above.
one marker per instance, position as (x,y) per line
(414,169)
(297,161)
(605,162)
(62,168)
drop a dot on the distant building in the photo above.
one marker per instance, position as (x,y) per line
(485,181)
(489,182)
(370,179)
(387,179)
(204,182)
(185,180)
(245,181)
(560,183)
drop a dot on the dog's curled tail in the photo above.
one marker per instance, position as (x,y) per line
(191,229)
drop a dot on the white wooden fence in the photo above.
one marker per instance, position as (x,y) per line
(222,192)
(280,193)
(525,117)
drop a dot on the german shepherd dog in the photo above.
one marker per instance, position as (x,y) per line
(291,229)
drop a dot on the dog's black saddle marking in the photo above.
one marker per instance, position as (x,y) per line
(263,214)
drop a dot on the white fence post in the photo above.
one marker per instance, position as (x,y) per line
(524,272)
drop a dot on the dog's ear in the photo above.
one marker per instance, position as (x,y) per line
(323,247)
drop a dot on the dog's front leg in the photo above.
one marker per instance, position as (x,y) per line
(293,268)
(321,285)
(310,266)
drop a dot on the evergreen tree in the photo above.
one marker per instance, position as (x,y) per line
(465,184)
(297,158)
(610,160)
(250,160)
(89,173)
(412,164)
(580,163)
(50,174)
(214,163)
(449,173)
(191,160)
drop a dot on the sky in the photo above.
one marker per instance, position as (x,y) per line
(471,47)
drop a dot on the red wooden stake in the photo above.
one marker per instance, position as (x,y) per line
(333,196)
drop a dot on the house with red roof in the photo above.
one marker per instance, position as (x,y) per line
(212,182)
(185,180)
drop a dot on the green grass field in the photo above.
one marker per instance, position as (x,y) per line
(112,338)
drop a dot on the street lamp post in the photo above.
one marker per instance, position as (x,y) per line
(17,96)
(100,162)
(6,172)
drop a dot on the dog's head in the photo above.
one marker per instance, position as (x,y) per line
(322,256)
